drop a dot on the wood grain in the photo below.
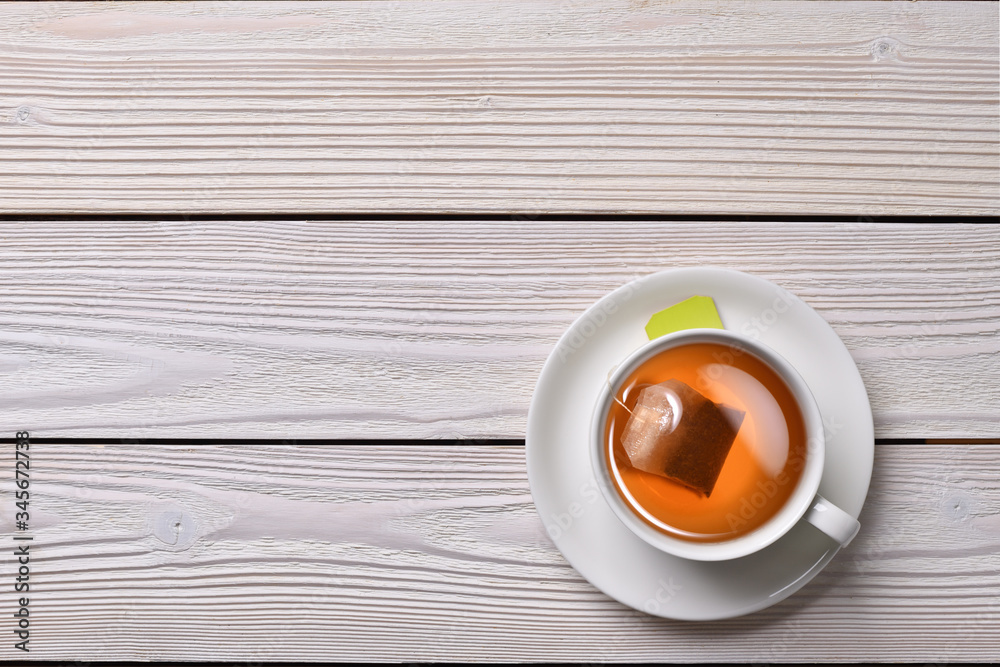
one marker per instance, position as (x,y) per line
(438,329)
(585,106)
(434,552)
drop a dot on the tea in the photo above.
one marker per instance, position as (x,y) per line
(761,466)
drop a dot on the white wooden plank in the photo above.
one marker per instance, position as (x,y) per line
(437,553)
(438,329)
(589,105)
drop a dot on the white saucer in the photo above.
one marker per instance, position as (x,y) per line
(581,523)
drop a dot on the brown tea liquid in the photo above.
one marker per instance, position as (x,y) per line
(763,466)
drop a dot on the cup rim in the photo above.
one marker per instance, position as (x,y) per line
(774,528)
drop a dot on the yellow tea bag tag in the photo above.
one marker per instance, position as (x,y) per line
(698,312)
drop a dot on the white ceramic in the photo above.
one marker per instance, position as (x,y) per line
(804,502)
(585,528)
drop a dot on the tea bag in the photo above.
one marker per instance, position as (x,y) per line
(677,433)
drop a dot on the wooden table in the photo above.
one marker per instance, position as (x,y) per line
(278,279)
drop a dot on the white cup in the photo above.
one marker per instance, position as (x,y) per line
(804,501)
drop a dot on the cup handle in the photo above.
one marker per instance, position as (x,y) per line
(833,521)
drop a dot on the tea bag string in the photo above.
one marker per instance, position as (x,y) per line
(614,395)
